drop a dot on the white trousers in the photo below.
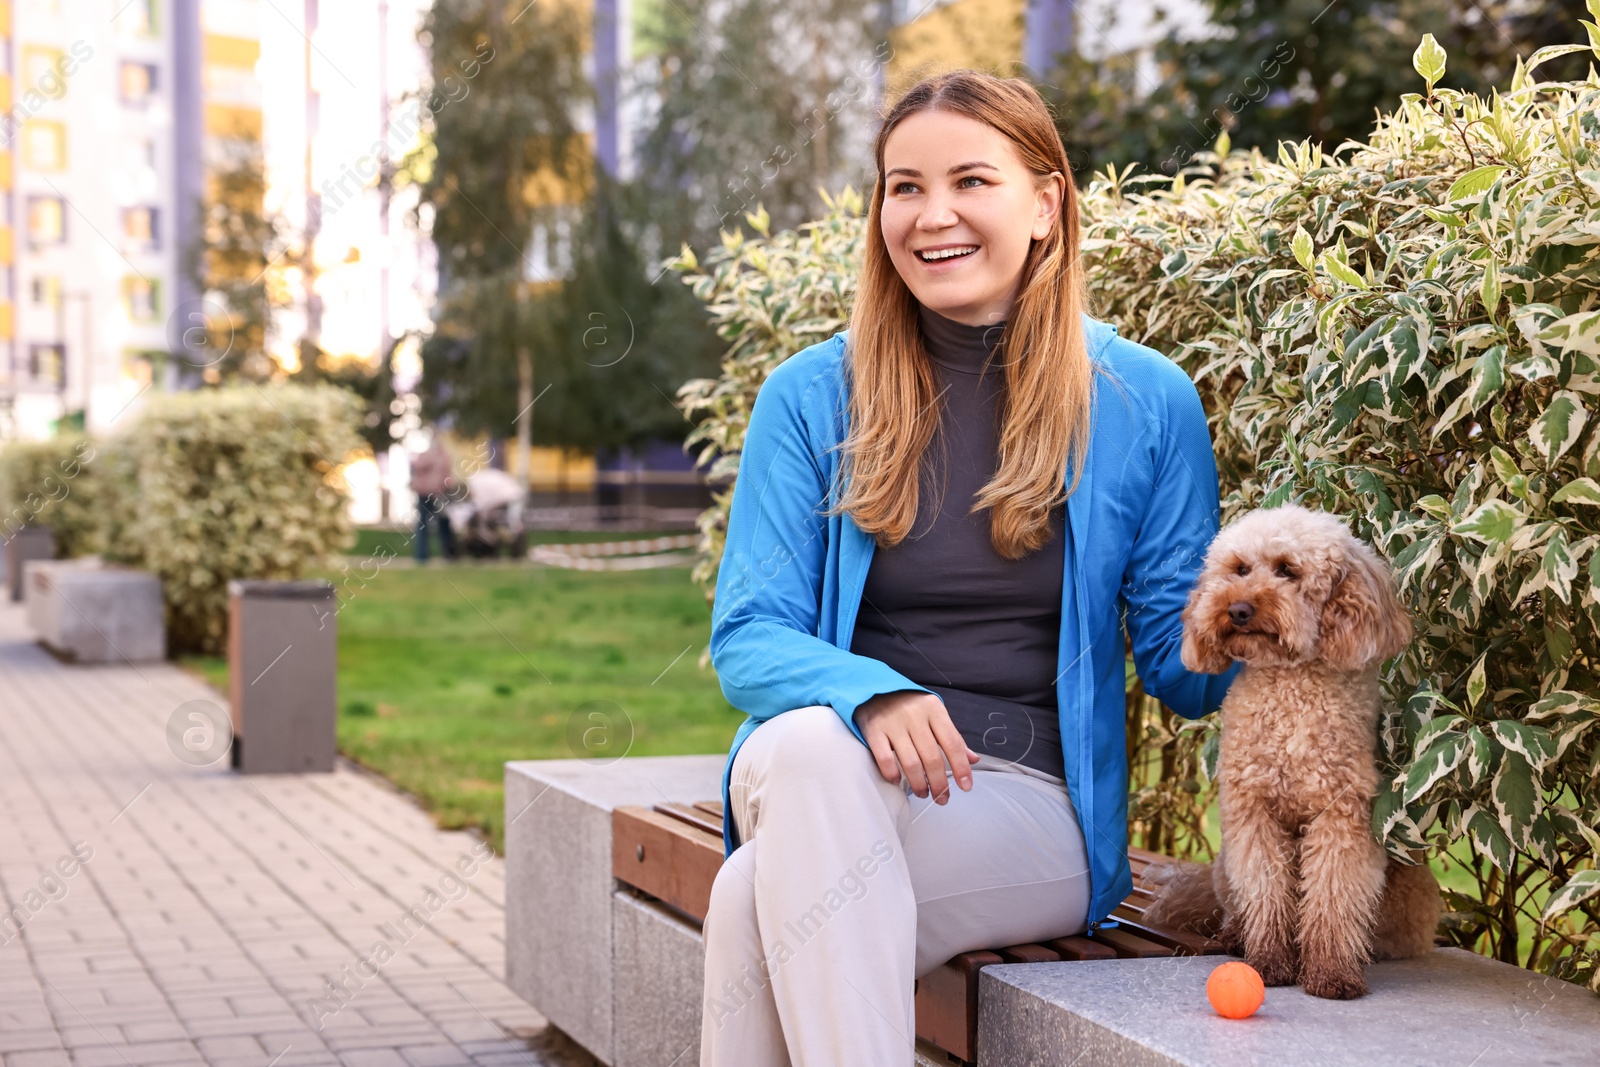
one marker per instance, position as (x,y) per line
(846,887)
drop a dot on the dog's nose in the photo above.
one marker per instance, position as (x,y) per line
(1241,613)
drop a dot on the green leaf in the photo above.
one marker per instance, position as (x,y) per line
(1489,839)
(1557,429)
(1490,289)
(1532,743)
(1580,491)
(1493,522)
(1303,252)
(1476,683)
(1472,183)
(1429,61)
(1440,759)
(1516,798)
(1388,807)
(1579,888)
(1488,376)
(1558,567)
(1342,271)
(1479,755)
(1436,506)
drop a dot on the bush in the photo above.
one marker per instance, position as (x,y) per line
(205,487)
(236,483)
(53,483)
(1405,332)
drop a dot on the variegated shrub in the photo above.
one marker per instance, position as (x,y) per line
(1405,332)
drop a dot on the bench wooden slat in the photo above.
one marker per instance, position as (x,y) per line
(692,815)
(1081,948)
(666,857)
(1129,945)
(1029,954)
(1182,942)
(712,808)
(947,1004)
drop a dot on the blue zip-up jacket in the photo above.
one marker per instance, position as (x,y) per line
(1137,530)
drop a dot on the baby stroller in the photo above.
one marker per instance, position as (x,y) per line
(488,522)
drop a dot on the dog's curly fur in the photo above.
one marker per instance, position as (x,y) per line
(1300,888)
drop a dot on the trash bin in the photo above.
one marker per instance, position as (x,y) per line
(282,685)
(30,542)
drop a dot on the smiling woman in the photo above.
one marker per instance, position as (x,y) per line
(993,591)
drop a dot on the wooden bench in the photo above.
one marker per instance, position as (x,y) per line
(671,852)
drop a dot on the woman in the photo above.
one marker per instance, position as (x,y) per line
(948,609)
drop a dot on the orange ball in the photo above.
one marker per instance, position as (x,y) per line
(1235,990)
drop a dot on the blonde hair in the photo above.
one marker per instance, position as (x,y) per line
(894,409)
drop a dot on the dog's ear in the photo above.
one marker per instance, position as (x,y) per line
(1201,650)
(1363,621)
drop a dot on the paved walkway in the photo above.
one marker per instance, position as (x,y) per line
(161,913)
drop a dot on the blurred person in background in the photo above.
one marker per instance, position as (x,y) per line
(432,481)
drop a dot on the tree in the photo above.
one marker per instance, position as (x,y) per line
(1275,70)
(582,347)
(758,103)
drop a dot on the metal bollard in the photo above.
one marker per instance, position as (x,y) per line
(282,676)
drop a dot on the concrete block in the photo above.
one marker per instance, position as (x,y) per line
(660,979)
(1450,1008)
(30,542)
(90,612)
(559,887)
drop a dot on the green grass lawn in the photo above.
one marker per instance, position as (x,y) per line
(370,539)
(445,673)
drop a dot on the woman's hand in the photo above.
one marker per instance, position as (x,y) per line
(914,728)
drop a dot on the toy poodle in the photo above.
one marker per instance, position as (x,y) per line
(1300,887)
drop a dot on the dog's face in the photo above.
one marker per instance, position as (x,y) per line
(1286,587)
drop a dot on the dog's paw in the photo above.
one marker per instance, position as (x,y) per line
(1275,968)
(1334,983)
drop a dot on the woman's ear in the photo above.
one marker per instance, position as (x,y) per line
(1363,621)
(1049,205)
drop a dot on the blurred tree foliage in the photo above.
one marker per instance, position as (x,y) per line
(1286,70)
(760,103)
(541,269)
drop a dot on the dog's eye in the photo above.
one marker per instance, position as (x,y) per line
(1242,569)
(1286,571)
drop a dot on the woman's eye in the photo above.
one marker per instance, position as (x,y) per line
(1286,571)
(901,188)
(972,178)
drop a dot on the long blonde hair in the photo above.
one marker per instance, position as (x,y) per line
(894,409)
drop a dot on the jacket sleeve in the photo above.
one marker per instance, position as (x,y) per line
(769,595)
(1180,521)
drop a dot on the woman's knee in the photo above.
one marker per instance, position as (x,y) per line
(804,743)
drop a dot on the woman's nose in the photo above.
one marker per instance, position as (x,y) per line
(937,213)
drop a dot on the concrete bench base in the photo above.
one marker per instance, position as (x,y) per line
(88,612)
(1450,1008)
(616,974)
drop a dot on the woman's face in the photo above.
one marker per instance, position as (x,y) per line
(959,213)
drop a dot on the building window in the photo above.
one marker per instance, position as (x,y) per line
(137,18)
(138,82)
(139,228)
(45,290)
(44,145)
(41,72)
(139,367)
(141,297)
(47,220)
(47,363)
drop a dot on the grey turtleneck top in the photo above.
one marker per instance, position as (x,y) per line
(943,607)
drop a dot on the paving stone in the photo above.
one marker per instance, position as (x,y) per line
(214,907)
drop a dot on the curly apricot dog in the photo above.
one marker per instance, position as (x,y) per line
(1300,886)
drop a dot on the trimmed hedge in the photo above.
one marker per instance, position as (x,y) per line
(204,487)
